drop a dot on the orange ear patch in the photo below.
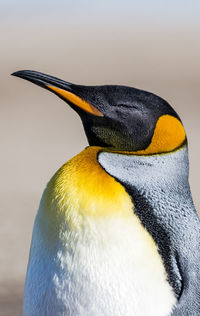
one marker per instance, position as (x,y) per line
(71,97)
(169,134)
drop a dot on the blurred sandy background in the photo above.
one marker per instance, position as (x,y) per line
(153,45)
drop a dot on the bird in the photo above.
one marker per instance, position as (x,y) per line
(116,232)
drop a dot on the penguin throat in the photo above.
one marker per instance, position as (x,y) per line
(81,189)
(168,136)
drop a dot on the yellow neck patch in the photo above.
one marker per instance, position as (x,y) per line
(81,189)
(169,134)
(74,99)
(80,195)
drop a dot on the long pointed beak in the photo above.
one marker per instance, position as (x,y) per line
(65,90)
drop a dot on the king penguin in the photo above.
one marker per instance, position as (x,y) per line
(116,233)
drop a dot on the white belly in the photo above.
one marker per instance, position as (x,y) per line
(110,269)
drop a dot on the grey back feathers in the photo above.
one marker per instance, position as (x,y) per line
(159,188)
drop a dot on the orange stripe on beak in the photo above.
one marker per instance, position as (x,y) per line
(69,96)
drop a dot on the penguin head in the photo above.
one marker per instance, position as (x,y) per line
(118,117)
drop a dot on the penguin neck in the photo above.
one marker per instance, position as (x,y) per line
(149,173)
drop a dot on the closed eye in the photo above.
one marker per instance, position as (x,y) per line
(129,106)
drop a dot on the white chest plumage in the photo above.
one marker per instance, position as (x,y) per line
(107,266)
(100,273)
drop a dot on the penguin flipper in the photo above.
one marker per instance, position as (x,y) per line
(189,299)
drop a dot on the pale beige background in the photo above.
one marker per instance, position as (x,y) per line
(154,50)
